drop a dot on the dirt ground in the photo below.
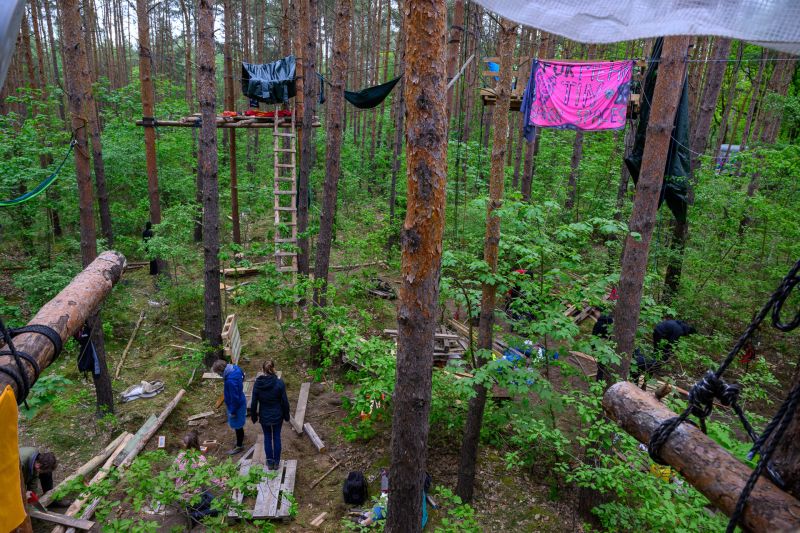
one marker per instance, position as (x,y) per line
(505,500)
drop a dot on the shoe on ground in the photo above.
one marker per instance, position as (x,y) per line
(235,451)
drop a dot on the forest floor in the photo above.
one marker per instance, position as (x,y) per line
(505,500)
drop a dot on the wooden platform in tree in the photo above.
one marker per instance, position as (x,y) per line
(272,501)
(489,97)
(239,121)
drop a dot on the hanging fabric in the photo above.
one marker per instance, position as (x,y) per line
(675,188)
(371,96)
(578,96)
(39,189)
(270,83)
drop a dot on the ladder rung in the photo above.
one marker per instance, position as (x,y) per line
(285,254)
(281,240)
(286,150)
(288,269)
(286,209)
(285,179)
(284,165)
(285,193)
(284,134)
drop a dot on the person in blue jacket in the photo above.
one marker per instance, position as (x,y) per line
(270,406)
(235,400)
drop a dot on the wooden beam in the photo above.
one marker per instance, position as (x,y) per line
(128,346)
(66,313)
(300,411)
(90,466)
(200,415)
(315,440)
(713,471)
(64,520)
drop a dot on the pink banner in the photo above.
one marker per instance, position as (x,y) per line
(584,96)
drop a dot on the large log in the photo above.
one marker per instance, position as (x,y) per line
(713,471)
(66,313)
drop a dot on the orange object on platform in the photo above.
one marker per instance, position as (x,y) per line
(13,510)
(268,114)
(230,114)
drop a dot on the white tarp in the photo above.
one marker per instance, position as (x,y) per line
(771,23)
(10,17)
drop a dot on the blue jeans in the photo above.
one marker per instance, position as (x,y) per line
(272,443)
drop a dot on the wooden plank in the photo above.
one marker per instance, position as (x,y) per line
(88,467)
(315,440)
(149,433)
(139,435)
(211,375)
(273,497)
(64,520)
(247,387)
(300,410)
(200,415)
(259,457)
(287,487)
(320,518)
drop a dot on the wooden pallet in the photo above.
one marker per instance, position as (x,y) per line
(231,339)
(272,500)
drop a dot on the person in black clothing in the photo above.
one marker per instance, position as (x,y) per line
(148,234)
(602,331)
(665,334)
(270,406)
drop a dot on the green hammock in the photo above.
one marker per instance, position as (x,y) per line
(39,189)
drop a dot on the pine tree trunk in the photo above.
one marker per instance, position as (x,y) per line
(187,42)
(669,84)
(230,105)
(453,49)
(341,50)
(148,110)
(723,126)
(625,175)
(421,240)
(400,108)
(572,183)
(308,34)
(472,432)
(207,171)
(708,102)
(77,76)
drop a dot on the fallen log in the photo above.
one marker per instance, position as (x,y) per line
(315,440)
(66,314)
(128,346)
(90,466)
(713,471)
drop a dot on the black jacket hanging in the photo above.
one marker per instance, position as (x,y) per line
(675,187)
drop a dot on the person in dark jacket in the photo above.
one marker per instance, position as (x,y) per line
(601,329)
(665,334)
(270,406)
(235,400)
(148,234)
(36,468)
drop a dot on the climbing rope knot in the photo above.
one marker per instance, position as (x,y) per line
(782,294)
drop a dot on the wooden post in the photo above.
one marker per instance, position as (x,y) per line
(666,96)
(67,312)
(713,471)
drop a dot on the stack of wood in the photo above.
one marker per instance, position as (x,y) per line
(447,345)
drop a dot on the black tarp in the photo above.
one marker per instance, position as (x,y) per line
(371,96)
(676,174)
(270,83)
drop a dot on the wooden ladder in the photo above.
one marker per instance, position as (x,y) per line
(285,195)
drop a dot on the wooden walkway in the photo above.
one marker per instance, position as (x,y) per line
(272,500)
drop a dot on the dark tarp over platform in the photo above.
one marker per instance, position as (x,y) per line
(270,83)
(676,174)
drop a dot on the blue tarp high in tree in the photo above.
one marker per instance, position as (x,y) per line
(270,83)
(371,96)
(675,187)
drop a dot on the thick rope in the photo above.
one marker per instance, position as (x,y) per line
(712,386)
(19,374)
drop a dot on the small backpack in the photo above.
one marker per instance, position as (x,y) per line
(355,489)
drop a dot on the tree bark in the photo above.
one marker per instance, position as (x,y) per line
(453,48)
(187,43)
(207,171)
(66,312)
(341,51)
(148,110)
(634,260)
(76,74)
(572,183)
(708,102)
(308,25)
(472,432)
(421,241)
(230,105)
(709,468)
(625,175)
(400,108)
